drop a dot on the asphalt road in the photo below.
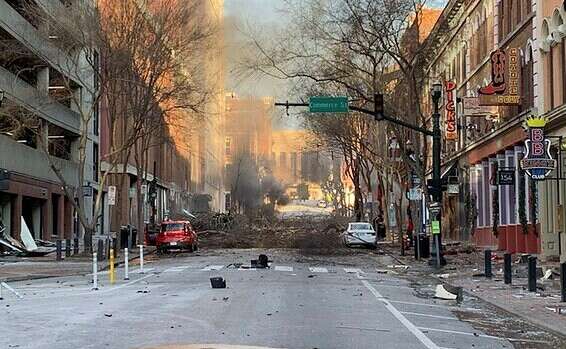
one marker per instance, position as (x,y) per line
(320,302)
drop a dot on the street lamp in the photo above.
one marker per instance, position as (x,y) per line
(436,185)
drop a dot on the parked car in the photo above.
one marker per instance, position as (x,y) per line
(360,233)
(177,235)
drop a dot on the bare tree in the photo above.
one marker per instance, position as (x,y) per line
(356,48)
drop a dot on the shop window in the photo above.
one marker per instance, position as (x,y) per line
(512,197)
(486,194)
(503,195)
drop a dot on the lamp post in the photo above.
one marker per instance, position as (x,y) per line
(436,185)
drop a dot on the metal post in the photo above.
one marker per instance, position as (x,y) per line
(68,248)
(507,275)
(130,242)
(59,249)
(126,265)
(437,242)
(436,178)
(141,259)
(532,274)
(100,250)
(418,246)
(76,246)
(94,271)
(487,263)
(563,282)
(1,298)
(111,266)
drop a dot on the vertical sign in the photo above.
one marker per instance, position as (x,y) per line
(112,195)
(451,130)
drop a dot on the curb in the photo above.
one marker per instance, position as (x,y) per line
(536,322)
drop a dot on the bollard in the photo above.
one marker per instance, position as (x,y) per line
(76,246)
(68,248)
(563,282)
(487,261)
(141,259)
(1,298)
(94,271)
(59,249)
(507,275)
(100,250)
(532,274)
(111,266)
(126,265)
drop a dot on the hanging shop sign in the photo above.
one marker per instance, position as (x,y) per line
(506,177)
(472,108)
(504,86)
(537,163)
(450,117)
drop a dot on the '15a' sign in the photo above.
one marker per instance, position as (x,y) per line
(451,130)
(537,163)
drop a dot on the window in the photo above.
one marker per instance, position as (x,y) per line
(228,145)
(527,80)
(486,194)
(294,165)
(503,195)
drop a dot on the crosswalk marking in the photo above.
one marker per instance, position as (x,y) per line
(176,269)
(353,270)
(283,268)
(212,267)
(318,270)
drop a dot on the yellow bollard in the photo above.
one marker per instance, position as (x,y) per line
(111,266)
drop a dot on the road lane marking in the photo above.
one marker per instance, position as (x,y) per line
(409,325)
(423,304)
(318,270)
(462,333)
(212,267)
(430,315)
(283,268)
(176,269)
(145,270)
(353,271)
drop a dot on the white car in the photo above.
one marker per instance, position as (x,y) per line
(360,233)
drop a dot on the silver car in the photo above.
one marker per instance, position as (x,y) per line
(360,233)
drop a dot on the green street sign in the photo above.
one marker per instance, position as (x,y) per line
(435,226)
(328,105)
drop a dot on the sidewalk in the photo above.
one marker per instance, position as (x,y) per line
(29,268)
(542,308)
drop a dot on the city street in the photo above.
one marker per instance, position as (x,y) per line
(300,302)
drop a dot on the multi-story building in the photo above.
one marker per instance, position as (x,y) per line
(248,128)
(479,140)
(34,63)
(550,41)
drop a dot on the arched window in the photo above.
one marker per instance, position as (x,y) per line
(518,12)
(527,79)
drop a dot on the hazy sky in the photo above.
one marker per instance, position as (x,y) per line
(259,13)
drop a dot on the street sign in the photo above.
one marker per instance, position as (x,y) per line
(452,189)
(435,227)
(112,195)
(328,105)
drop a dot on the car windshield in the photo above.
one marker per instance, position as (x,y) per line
(172,226)
(361,226)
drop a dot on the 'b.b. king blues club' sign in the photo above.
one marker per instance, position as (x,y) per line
(537,163)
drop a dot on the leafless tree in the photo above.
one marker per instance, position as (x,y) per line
(356,48)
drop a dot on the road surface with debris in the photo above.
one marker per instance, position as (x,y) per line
(300,302)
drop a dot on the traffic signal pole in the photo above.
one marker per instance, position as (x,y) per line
(379,115)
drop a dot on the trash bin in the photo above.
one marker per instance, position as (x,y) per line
(124,232)
(423,245)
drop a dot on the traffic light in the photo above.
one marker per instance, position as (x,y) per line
(379,109)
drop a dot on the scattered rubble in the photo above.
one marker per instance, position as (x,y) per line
(448,292)
(217,282)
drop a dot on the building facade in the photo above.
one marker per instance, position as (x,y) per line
(42,89)
(480,141)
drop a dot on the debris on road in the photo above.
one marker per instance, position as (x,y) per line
(107,314)
(442,293)
(217,282)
